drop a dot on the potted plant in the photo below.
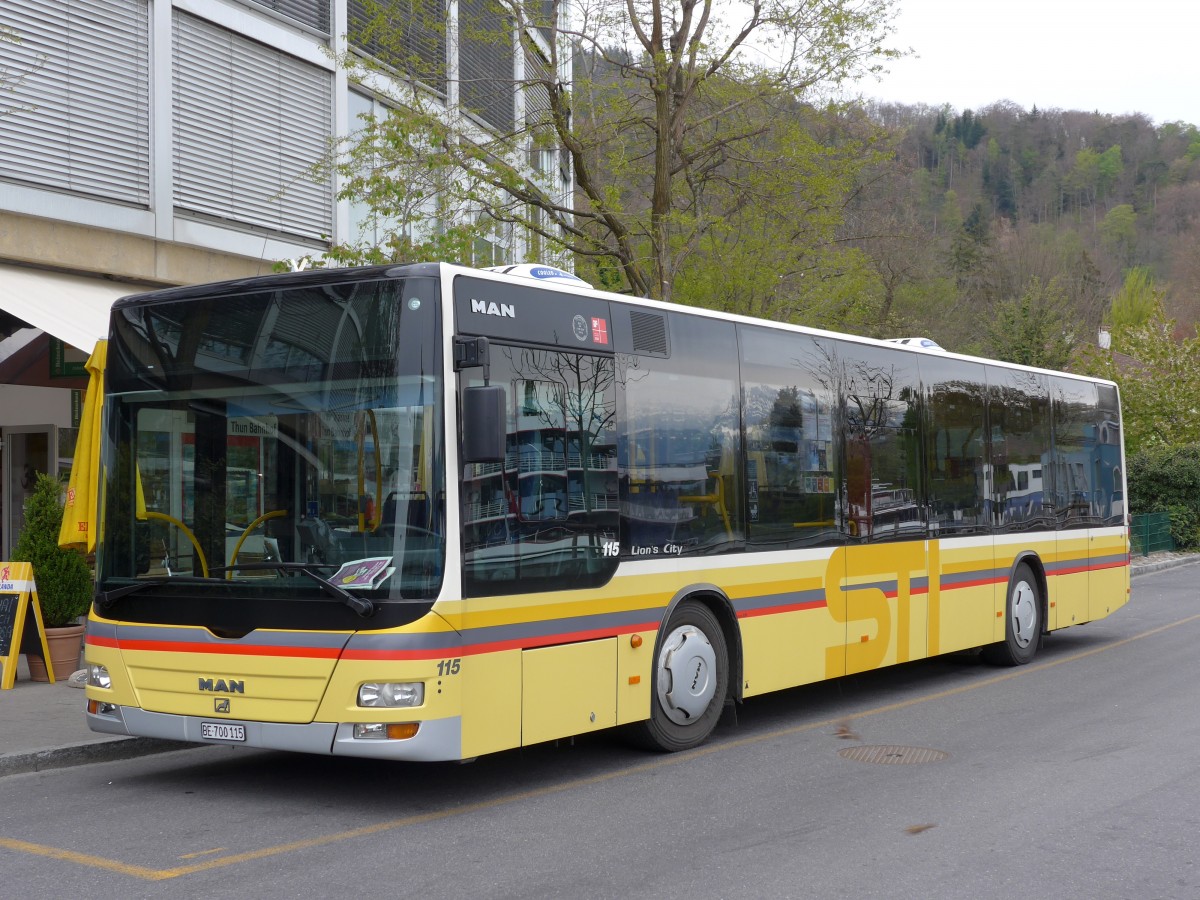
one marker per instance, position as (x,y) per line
(64,583)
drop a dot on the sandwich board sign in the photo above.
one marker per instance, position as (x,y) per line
(18,594)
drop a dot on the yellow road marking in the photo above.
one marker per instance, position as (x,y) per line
(200,853)
(84,859)
(100,862)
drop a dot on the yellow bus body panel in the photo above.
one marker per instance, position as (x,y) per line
(491,702)
(1070,590)
(568,689)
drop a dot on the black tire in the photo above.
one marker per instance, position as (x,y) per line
(689,682)
(1022,621)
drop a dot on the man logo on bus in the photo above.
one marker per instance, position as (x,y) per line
(492,308)
(221,686)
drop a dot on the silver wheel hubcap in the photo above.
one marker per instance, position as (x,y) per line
(687,674)
(1024,613)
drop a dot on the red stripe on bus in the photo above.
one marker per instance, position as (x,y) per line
(1074,570)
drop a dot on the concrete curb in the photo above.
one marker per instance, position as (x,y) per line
(88,752)
(1159,565)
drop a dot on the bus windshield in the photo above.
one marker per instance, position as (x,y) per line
(281,452)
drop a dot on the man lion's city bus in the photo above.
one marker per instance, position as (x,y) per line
(425,512)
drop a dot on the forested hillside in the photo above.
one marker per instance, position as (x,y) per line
(1005,224)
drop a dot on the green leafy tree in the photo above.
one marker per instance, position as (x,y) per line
(1137,302)
(692,130)
(64,584)
(1035,329)
(1109,169)
(1118,231)
(1159,377)
(1084,177)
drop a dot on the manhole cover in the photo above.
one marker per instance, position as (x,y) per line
(892,754)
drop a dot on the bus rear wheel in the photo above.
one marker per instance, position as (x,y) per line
(689,683)
(1022,621)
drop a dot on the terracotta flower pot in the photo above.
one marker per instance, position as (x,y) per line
(65,644)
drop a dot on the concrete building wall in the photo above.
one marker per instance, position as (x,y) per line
(23,405)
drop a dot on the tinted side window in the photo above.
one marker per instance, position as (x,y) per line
(1109,480)
(956,445)
(546,517)
(678,444)
(882,480)
(1075,452)
(791,463)
(1019,412)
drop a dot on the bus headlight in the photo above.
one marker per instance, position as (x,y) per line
(98,676)
(392,693)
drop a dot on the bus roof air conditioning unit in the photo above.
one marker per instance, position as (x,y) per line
(540,272)
(920,343)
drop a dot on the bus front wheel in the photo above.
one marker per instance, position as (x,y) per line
(1022,621)
(689,683)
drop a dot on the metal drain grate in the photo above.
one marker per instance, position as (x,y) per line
(893,755)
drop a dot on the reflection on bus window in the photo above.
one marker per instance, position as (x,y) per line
(883,474)
(792,465)
(546,516)
(679,444)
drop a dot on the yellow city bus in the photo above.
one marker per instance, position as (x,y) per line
(427,512)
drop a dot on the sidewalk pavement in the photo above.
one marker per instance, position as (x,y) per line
(42,725)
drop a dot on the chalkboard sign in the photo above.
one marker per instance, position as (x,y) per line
(18,595)
(8,621)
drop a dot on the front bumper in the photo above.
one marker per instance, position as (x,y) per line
(437,739)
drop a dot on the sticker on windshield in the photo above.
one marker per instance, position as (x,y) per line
(364,573)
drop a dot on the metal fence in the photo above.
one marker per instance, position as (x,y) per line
(1151,532)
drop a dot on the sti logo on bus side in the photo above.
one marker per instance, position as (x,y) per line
(221,686)
(492,308)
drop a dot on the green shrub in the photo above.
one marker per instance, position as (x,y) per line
(1167,479)
(64,584)
(1185,525)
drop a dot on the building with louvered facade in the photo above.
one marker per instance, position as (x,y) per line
(155,142)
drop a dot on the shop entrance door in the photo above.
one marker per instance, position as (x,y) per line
(27,450)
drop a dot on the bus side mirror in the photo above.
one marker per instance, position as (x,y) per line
(484,429)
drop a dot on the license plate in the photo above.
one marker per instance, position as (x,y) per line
(222,731)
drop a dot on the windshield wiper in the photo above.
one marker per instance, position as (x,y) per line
(364,606)
(105,600)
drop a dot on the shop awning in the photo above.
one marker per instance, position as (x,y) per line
(72,308)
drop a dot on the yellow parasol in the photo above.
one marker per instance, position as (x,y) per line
(79,514)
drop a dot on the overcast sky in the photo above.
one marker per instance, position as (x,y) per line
(1115,57)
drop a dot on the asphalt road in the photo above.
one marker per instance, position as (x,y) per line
(1075,777)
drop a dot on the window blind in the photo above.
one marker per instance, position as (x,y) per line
(250,122)
(79,109)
